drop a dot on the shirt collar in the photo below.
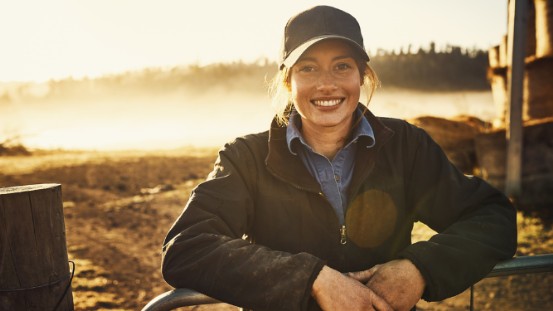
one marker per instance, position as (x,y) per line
(293,130)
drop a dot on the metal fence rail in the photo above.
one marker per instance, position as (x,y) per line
(180,297)
(523,265)
(183,297)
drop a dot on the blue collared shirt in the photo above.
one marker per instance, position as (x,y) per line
(334,175)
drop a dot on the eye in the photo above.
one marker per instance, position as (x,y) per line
(343,66)
(306,68)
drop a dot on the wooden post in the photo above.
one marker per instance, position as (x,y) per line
(34,269)
(516,50)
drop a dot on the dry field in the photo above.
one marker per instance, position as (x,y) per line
(119,205)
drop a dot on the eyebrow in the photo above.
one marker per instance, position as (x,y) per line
(303,58)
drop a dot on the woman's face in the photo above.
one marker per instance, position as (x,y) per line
(326,85)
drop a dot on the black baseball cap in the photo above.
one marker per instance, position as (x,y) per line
(317,24)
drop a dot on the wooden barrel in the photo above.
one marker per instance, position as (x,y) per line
(34,266)
(537,161)
(544,27)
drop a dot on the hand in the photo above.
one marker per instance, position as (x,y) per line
(399,282)
(334,291)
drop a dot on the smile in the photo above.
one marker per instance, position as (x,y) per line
(327,102)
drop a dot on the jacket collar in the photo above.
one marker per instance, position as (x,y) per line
(289,168)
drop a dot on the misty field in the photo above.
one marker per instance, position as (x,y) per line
(179,118)
(118,207)
(207,105)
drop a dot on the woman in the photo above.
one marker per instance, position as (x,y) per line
(317,212)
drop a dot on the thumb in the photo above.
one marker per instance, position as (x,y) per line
(363,276)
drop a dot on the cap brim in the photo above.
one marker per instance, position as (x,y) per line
(296,53)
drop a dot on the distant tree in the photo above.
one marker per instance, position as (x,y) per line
(12,146)
(432,49)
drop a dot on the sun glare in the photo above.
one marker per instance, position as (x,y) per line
(52,49)
(56,39)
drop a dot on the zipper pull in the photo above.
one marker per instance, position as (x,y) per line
(343,238)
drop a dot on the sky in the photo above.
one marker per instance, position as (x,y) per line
(56,39)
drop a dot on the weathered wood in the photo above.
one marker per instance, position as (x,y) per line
(34,270)
(517,50)
(538,90)
(544,27)
(537,160)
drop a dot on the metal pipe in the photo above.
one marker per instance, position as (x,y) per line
(180,297)
(523,265)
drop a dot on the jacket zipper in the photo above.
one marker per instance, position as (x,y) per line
(343,237)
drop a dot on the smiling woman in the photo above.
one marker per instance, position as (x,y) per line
(325,88)
(317,212)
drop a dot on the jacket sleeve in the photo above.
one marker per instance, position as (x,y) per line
(475,223)
(205,249)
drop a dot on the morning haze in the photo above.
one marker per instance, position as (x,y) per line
(163,108)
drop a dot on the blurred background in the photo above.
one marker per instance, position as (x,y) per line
(164,74)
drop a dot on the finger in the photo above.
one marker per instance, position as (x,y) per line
(363,276)
(379,303)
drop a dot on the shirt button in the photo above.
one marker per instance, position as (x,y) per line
(337,177)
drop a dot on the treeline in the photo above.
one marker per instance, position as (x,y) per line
(191,79)
(452,69)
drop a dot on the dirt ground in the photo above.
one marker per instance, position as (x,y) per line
(118,207)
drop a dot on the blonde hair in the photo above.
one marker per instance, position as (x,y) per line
(280,90)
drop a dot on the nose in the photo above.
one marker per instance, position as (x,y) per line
(326,82)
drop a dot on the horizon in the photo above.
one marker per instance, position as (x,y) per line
(258,62)
(62,39)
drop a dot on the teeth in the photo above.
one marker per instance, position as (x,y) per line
(327,103)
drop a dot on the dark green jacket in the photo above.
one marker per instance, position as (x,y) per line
(257,232)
